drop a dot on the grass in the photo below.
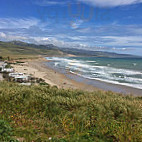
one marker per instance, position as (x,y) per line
(44,113)
(12,51)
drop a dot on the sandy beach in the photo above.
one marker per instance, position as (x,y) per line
(39,69)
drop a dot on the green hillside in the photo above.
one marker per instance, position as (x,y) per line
(18,49)
(14,50)
(44,113)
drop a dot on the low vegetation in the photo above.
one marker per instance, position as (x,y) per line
(43,113)
(21,50)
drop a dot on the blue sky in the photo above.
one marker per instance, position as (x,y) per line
(104,25)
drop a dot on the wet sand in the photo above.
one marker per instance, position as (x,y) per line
(39,68)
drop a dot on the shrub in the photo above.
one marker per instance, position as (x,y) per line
(40,112)
(5,131)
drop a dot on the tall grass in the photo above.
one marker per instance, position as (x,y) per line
(44,113)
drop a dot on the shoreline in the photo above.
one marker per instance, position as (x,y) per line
(39,68)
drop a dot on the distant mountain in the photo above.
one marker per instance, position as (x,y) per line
(82,52)
(23,48)
(20,43)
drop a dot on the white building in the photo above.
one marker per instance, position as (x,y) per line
(19,77)
(8,70)
(15,74)
(3,69)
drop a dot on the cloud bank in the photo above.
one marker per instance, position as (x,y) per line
(12,23)
(49,2)
(110,3)
(104,37)
(97,3)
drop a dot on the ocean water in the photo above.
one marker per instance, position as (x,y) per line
(122,71)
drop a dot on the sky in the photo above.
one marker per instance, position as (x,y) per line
(102,25)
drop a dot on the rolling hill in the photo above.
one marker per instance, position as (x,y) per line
(16,49)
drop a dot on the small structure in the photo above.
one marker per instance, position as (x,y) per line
(23,78)
(19,77)
(9,74)
(3,68)
(15,74)
(8,70)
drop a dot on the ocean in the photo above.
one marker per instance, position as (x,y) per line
(121,71)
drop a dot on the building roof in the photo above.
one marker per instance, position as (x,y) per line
(16,74)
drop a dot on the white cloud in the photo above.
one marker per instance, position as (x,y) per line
(100,3)
(8,37)
(76,24)
(37,40)
(2,35)
(84,30)
(32,30)
(110,43)
(110,3)
(14,23)
(122,40)
(137,31)
(49,2)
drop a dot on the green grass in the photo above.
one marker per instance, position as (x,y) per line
(37,113)
(24,51)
